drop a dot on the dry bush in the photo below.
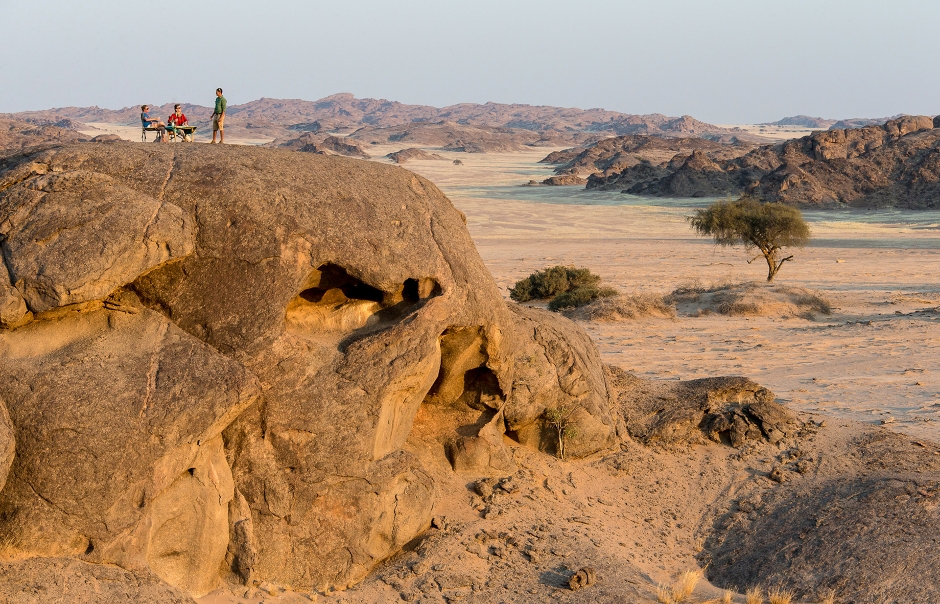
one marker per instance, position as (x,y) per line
(750,299)
(778,595)
(628,307)
(727,597)
(754,596)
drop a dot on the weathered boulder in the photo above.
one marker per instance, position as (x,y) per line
(70,581)
(118,417)
(7,444)
(348,291)
(732,410)
(75,236)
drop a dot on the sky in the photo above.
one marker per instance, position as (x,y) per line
(721,61)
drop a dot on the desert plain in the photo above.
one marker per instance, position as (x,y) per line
(666,512)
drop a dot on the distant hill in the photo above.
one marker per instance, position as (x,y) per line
(802,120)
(861,122)
(344,113)
(17,136)
(896,164)
(617,153)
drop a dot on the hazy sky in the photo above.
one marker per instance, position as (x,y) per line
(722,61)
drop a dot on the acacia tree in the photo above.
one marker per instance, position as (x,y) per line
(768,226)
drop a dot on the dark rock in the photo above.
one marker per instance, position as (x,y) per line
(585,577)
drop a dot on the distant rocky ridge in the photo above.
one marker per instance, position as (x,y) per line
(896,164)
(326,144)
(400,157)
(802,120)
(618,153)
(16,135)
(344,113)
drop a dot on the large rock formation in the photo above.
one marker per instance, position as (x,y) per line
(617,153)
(894,164)
(212,357)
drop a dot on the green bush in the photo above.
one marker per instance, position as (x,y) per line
(580,296)
(548,283)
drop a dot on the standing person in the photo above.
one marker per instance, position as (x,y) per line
(178,118)
(218,118)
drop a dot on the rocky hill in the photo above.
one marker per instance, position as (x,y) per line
(405,155)
(896,164)
(17,135)
(803,120)
(861,122)
(279,118)
(618,153)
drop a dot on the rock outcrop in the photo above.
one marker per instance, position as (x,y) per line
(564,180)
(405,155)
(896,164)
(70,581)
(615,154)
(16,135)
(212,358)
(730,410)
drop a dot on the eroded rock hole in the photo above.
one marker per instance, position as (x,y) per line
(463,409)
(335,302)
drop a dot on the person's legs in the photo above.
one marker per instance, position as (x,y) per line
(215,127)
(221,129)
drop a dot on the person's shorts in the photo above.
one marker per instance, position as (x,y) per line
(218,122)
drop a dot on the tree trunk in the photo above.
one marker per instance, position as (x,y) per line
(772,265)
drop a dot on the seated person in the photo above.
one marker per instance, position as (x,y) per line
(149,122)
(176,119)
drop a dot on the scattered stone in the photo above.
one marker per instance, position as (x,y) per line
(778,474)
(583,578)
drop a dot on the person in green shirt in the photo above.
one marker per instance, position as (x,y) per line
(218,118)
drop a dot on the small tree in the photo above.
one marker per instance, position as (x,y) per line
(561,420)
(750,222)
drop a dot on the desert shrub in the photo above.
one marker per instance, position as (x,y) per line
(579,297)
(548,283)
(630,306)
(564,286)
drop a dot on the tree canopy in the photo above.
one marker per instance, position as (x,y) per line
(768,226)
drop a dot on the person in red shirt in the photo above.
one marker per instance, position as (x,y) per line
(176,119)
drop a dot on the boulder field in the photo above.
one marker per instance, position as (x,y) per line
(226,366)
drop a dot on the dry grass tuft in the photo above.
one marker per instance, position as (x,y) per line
(628,307)
(682,589)
(727,597)
(749,299)
(778,595)
(663,594)
(754,595)
(828,597)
